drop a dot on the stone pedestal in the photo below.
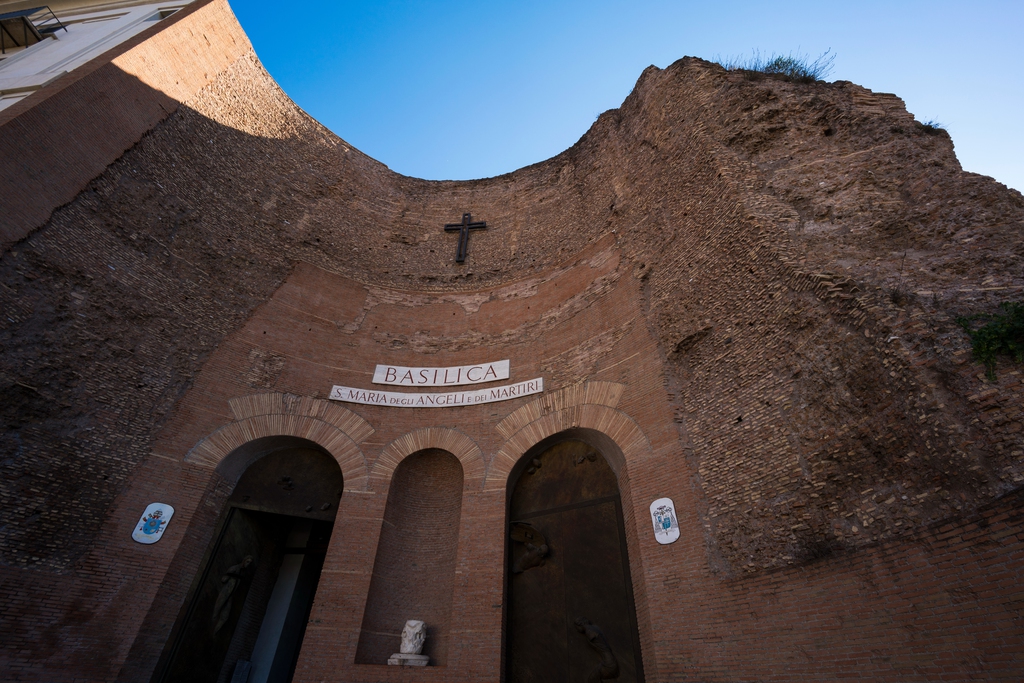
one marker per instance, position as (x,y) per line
(402,659)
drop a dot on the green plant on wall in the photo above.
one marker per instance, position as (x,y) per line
(798,68)
(1001,335)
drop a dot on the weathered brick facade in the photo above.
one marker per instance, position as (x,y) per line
(741,292)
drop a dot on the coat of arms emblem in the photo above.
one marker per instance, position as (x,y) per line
(666,526)
(150,528)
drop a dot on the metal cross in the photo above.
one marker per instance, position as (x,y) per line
(464,227)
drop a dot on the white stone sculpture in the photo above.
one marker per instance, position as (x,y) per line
(413,635)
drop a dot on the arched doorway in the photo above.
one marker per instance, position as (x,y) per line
(248,606)
(571,617)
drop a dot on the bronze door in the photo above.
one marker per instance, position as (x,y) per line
(571,617)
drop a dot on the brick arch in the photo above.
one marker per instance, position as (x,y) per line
(336,429)
(588,411)
(446,439)
(588,405)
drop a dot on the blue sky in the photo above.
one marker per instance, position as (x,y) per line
(457,90)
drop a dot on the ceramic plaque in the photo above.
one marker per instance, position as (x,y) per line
(153,523)
(666,526)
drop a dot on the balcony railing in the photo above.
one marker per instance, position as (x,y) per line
(27,27)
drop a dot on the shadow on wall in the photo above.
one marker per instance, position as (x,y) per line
(110,309)
(112,306)
(59,138)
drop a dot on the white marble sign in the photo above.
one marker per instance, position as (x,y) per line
(666,526)
(153,523)
(451,399)
(441,377)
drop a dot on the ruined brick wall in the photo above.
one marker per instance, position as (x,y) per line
(720,248)
(849,409)
(65,134)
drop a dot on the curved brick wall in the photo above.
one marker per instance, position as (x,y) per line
(55,141)
(713,278)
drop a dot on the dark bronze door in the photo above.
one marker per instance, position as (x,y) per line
(571,617)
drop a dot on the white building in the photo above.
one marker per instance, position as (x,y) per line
(39,43)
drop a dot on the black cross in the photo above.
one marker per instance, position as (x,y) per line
(464,227)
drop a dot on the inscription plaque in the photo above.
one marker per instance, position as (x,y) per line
(441,377)
(450,399)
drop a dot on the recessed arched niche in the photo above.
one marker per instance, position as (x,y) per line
(414,570)
(247,610)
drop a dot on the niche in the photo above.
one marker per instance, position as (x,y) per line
(414,570)
(249,604)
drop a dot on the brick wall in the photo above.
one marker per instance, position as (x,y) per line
(414,567)
(55,141)
(847,481)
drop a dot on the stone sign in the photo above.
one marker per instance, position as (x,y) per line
(441,377)
(446,400)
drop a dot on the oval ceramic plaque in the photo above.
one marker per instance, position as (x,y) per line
(153,523)
(666,526)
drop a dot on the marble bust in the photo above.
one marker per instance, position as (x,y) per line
(413,635)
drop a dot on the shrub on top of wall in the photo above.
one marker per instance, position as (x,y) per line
(792,67)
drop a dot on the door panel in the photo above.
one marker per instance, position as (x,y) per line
(537,613)
(595,563)
(571,505)
(566,474)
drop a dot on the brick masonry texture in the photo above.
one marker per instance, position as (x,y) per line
(415,562)
(742,290)
(61,137)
